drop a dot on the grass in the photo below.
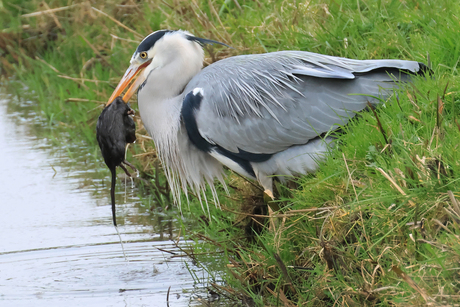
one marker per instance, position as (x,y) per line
(377,225)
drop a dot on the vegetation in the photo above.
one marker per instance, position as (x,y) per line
(378,224)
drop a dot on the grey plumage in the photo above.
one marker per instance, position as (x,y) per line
(266,103)
(260,115)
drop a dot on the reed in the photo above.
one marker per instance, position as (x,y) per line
(377,225)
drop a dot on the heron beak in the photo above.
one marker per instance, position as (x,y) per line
(130,74)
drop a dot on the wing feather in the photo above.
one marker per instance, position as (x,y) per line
(265,103)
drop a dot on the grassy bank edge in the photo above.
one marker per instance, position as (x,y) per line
(377,225)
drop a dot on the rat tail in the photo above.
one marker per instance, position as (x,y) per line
(112,195)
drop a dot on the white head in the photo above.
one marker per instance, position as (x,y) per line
(171,58)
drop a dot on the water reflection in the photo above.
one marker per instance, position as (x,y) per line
(57,242)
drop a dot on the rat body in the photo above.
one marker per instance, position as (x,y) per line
(115,129)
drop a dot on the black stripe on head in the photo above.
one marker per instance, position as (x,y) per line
(204,41)
(150,40)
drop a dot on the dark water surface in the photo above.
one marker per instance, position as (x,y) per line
(57,243)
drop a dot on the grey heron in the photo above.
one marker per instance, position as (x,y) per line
(260,115)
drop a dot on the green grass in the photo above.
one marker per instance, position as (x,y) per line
(377,225)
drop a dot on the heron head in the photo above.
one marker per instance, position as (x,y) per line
(156,51)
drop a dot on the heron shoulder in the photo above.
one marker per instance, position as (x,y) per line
(263,104)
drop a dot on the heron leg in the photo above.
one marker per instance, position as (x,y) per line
(267,183)
(269,193)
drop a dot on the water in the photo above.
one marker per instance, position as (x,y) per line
(57,243)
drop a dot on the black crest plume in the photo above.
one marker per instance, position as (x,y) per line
(205,41)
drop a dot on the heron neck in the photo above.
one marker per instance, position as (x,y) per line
(171,70)
(160,99)
(160,116)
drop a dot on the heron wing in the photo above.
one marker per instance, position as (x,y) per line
(263,104)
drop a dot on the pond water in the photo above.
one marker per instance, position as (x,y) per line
(57,243)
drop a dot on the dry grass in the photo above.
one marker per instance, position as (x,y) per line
(378,225)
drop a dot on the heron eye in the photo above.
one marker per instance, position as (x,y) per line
(143,55)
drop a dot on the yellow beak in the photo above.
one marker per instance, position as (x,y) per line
(130,74)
